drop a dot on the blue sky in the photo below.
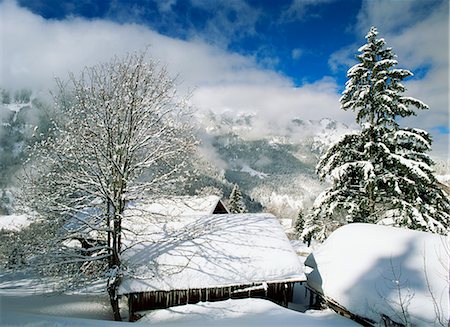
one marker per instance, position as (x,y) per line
(282,35)
(280,59)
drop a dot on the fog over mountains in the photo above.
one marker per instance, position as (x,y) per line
(274,165)
(272,162)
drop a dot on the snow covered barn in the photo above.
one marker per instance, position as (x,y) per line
(209,258)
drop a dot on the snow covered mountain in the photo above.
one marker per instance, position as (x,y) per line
(22,121)
(250,126)
(273,165)
(273,162)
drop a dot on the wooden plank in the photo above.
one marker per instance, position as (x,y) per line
(336,307)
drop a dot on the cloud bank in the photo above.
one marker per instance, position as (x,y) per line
(35,50)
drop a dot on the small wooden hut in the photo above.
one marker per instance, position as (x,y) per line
(211,258)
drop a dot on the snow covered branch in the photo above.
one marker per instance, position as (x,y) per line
(122,133)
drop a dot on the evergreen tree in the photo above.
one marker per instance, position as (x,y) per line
(5,96)
(236,205)
(383,171)
(299,224)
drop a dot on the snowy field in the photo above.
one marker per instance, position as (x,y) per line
(22,303)
(20,306)
(370,270)
(244,312)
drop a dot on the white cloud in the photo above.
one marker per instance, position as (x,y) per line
(393,16)
(276,104)
(301,9)
(35,50)
(227,20)
(166,5)
(425,43)
(343,58)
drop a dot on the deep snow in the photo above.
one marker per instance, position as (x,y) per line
(20,307)
(207,251)
(371,270)
(368,269)
(243,312)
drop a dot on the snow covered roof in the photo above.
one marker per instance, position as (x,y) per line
(207,251)
(371,269)
(179,205)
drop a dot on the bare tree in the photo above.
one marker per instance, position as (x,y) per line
(438,296)
(122,133)
(399,306)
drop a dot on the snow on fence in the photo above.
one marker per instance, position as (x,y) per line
(318,300)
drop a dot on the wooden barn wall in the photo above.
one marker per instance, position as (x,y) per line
(280,293)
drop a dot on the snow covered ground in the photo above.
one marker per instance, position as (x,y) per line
(25,301)
(369,269)
(21,306)
(91,310)
(14,222)
(54,310)
(243,312)
(376,270)
(301,249)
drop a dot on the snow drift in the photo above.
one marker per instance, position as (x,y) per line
(376,270)
(206,251)
(243,312)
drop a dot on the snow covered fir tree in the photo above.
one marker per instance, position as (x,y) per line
(381,174)
(236,204)
(299,223)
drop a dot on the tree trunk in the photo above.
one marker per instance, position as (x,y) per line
(114,265)
(371,188)
(114,299)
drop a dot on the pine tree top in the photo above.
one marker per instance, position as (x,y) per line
(374,89)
